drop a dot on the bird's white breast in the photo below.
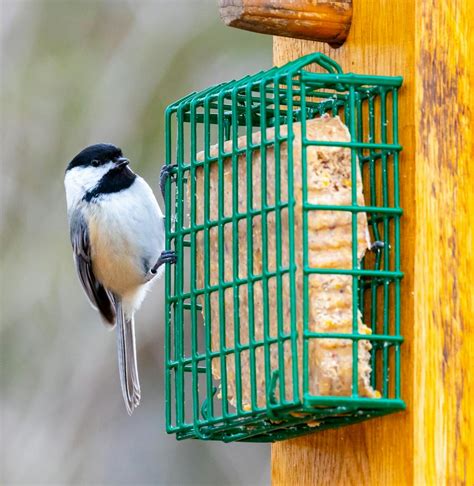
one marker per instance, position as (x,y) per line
(126,232)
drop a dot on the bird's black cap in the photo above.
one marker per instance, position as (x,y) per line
(102,152)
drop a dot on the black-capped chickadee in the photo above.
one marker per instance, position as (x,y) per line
(118,238)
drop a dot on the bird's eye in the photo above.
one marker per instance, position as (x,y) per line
(95,163)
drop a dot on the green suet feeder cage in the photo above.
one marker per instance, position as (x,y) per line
(283,310)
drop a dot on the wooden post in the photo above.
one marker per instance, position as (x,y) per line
(430,43)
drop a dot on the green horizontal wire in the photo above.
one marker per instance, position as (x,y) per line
(351,79)
(356,273)
(354,145)
(359,337)
(354,209)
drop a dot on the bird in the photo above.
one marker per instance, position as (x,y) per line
(117,234)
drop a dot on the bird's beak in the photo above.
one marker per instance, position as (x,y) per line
(122,162)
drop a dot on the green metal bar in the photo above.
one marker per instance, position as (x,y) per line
(355,259)
(305,237)
(374,156)
(360,158)
(226,285)
(386,238)
(356,145)
(227,351)
(249,218)
(278,243)
(224,220)
(296,427)
(207,261)
(282,96)
(358,337)
(192,271)
(220,228)
(314,93)
(357,273)
(351,80)
(299,429)
(354,209)
(376,233)
(291,242)
(168,314)
(235,251)
(189,306)
(179,274)
(220,424)
(396,202)
(335,77)
(252,279)
(195,369)
(354,402)
(225,89)
(263,202)
(315,407)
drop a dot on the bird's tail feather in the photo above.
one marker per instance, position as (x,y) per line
(127,359)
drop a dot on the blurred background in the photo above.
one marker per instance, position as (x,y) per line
(74,73)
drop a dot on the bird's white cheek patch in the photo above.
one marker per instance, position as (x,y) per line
(79,180)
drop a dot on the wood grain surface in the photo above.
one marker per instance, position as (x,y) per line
(429,43)
(317,20)
(444,272)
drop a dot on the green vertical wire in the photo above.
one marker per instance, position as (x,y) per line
(192,271)
(386,238)
(347,111)
(355,281)
(207,259)
(220,229)
(278,236)
(396,203)
(227,127)
(249,218)
(304,187)
(360,138)
(179,275)
(374,217)
(264,214)
(291,239)
(168,319)
(176,321)
(334,108)
(235,249)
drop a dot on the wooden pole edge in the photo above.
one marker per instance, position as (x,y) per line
(327,21)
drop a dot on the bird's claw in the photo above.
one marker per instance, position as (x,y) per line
(167,256)
(164,174)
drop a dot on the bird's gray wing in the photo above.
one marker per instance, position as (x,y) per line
(98,295)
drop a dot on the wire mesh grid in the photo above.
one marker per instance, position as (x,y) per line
(240,343)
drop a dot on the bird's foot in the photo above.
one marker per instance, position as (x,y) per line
(167,256)
(164,174)
(377,245)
